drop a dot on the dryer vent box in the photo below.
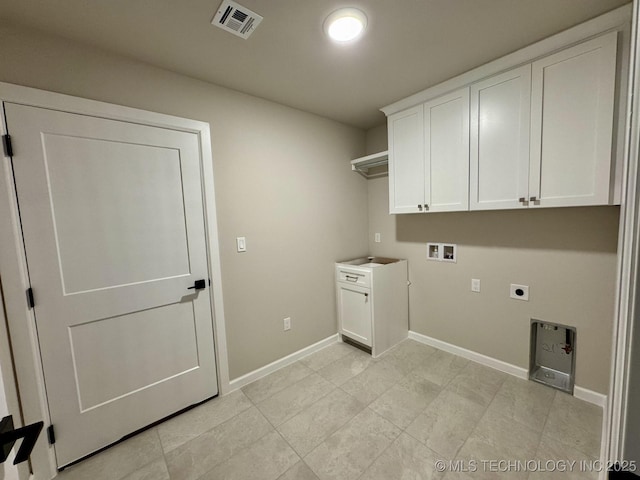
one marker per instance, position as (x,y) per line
(236,19)
(552,355)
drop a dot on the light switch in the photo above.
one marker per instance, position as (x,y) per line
(241,243)
(475,285)
(376,238)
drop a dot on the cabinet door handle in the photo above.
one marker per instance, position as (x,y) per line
(351,278)
(533,199)
(366,295)
(426,207)
(522,200)
(419,207)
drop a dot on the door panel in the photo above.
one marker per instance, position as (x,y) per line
(86,172)
(572,98)
(447,152)
(500,117)
(113,224)
(406,161)
(354,305)
(98,365)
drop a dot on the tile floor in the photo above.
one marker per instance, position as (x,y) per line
(339,414)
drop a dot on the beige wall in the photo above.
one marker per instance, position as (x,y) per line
(567,256)
(282,179)
(376,139)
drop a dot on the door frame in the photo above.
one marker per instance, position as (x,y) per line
(9,383)
(627,294)
(30,393)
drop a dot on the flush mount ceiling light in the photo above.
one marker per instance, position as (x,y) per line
(345,25)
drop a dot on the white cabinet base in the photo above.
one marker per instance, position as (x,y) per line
(373,302)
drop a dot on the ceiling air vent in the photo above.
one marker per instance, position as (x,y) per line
(236,19)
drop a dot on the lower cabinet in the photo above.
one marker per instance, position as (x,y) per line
(373,302)
(354,304)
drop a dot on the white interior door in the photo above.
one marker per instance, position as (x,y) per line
(113,225)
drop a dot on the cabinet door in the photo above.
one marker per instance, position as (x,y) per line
(500,112)
(354,313)
(406,161)
(446,122)
(572,103)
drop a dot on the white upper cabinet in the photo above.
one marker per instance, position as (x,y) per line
(536,135)
(446,123)
(572,100)
(429,156)
(499,137)
(406,161)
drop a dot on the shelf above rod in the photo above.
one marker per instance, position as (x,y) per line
(363,164)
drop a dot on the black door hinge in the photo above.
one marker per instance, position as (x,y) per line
(51,435)
(30,301)
(6,144)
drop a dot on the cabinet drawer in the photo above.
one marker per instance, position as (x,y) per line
(355,277)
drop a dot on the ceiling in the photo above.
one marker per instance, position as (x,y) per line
(409,45)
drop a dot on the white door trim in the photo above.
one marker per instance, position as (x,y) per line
(628,259)
(13,268)
(9,390)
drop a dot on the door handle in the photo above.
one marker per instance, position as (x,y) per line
(9,435)
(198,285)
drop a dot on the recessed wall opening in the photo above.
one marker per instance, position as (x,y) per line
(552,355)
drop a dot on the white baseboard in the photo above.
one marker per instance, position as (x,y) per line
(240,382)
(471,355)
(590,396)
(578,392)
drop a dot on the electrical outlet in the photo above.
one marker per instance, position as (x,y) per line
(287,324)
(376,238)
(475,285)
(519,292)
